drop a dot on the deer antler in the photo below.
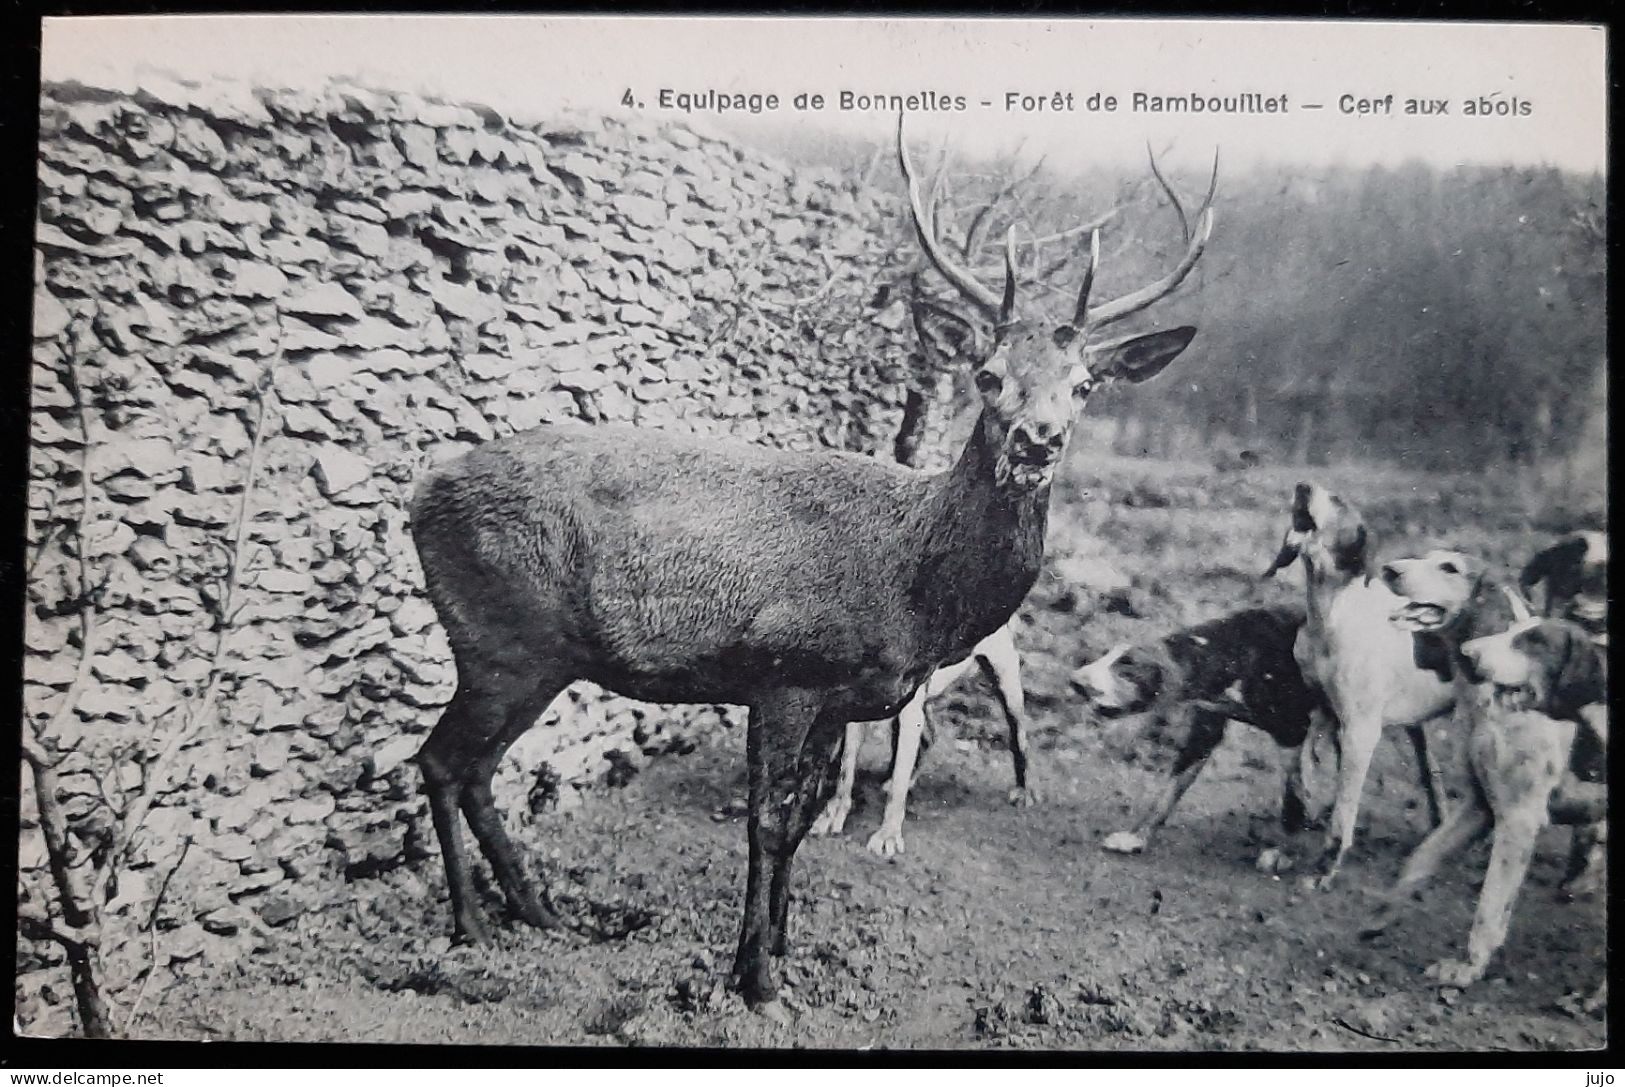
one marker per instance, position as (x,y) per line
(1080,315)
(925,228)
(1195,241)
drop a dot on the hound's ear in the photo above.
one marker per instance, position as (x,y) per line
(1290,549)
(1302,519)
(1545,563)
(1138,358)
(1349,548)
(1575,676)
(1144,671)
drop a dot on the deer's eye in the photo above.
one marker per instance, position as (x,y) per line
(1449,568)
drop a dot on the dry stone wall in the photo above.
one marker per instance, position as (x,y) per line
(311,296)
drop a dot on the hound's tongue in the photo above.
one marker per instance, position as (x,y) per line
(1417,616)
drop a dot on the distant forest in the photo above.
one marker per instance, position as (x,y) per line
(1449,319)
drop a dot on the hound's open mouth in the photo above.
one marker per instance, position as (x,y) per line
(1512,699)
(1593,611)
(1419,616)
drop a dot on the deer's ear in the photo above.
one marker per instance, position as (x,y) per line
(945,335)
(1137,358)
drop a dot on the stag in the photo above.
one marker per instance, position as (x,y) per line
(815,588)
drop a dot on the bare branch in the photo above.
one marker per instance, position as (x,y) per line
(152,933)
(158,768)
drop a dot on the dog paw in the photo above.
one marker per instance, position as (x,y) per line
(1453,973)
(1588,884)
(1581,1006)
(1124,841)
(886,842)
(832,819)
(1321,881)
(1275,861)
(1377,923)
(1025,796)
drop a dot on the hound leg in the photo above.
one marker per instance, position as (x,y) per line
(1357,743)
(1467,822)
(1427,768)
(1294,803)
(1002,667)
(1207,730)
(910,724)
(1577,1005)
(1510,854)
(1586,873)
(1276,859)
(778,725)
(832,820)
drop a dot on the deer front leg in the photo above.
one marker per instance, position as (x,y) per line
(832,820)
(773,739)
(812,773)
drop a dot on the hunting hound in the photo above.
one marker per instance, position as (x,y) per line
(1360,663)
(1236,668)
(1574,572)
(1533,696)
(996,655)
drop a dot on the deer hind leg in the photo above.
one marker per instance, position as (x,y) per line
(1003,671)
(479,807)
(457,761)
(443,760)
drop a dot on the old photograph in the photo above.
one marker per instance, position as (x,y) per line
(834,533)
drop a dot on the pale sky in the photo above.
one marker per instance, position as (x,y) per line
(544,64)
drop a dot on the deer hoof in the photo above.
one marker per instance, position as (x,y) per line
(1124,841)
(886,842)
(775,1012)
(832,820)
(1273,861)
(1025,796)
(1453,973)
(472,933)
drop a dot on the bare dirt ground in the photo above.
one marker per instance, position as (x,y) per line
(998,927)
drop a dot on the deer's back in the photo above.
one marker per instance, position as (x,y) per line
(670,563)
